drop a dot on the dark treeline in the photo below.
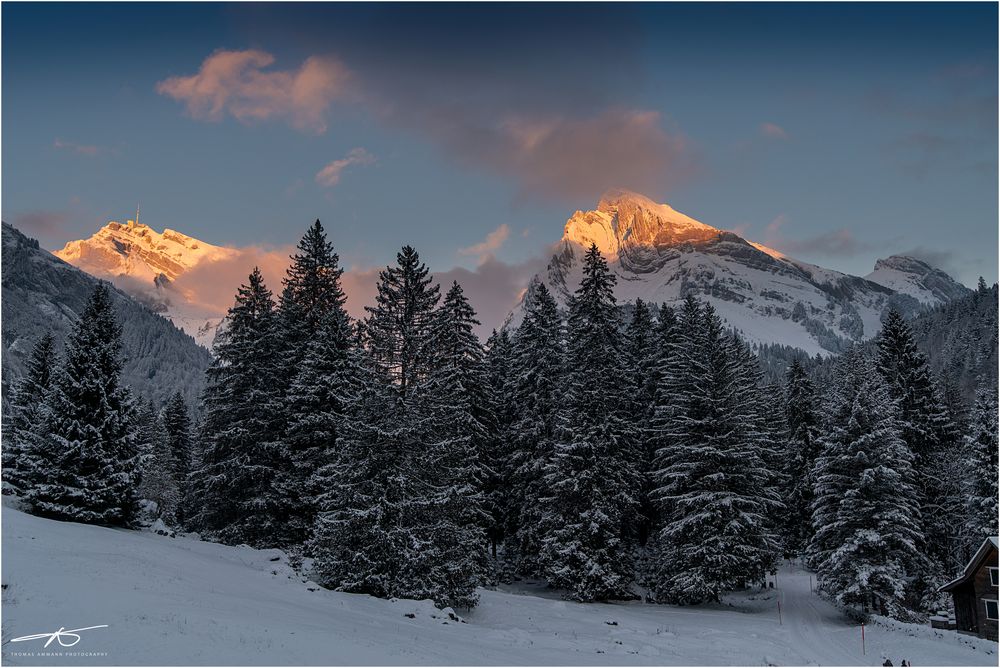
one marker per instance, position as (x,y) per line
(410,460)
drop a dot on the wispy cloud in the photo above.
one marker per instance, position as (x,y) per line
(773,131)
(236,83)
(490,245)
(776,224)
(79,149)
(330,175)
(40,223)
(838,243)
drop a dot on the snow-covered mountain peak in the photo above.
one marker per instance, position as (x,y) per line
(661,255)
(624,222)
(138,251)
(145,263)
(915,277)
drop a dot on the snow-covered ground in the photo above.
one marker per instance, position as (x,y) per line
(177,601)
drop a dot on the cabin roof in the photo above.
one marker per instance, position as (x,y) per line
(974,564)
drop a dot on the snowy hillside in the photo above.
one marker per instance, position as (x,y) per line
(184,602)
(661,255)
(146,263)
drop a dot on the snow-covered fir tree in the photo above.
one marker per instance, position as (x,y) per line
(86,467)
(159,483)
(234,495)
(25,419)
(456,409)
(640,359)
(496,454)
(592,481)
(399,325)
(712,478)
(981,464)
(537,379)
(180,441)
(866,511)
(664,345)
(313,334)
(801,450)
(926,428)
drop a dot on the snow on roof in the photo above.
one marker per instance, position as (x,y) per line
(973,564)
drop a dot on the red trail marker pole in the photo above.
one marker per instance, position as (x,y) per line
(862,639)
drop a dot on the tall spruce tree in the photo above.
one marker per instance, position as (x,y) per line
(26,417)
(537,380)
(866,515)
(496,454)
(457,412)
(925,427)
(399,325)
(177,429)
(313,333)
(592,478)
(800,457)
(981,464)
(87,466)
(713,481)
(664,344)
(233,490)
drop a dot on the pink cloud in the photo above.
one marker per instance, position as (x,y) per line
(776,224)
(491,244)
(577,158)
(330,175)
(773,131)
(235,82)
(211,286)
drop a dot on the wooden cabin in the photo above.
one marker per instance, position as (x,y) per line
(975,593)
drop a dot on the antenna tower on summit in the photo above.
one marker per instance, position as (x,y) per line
(137,214)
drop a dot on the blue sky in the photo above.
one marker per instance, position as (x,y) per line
(838,133)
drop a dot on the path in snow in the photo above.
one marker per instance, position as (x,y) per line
(186,602)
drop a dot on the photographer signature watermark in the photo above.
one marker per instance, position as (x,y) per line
(65,638)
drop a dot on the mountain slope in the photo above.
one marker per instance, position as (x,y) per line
(661,255)
(41,292)
(145,263)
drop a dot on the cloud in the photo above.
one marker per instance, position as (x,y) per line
(40,223)
(918,154)
(494,287)
(773,131)
(211,286)
(567,149)
(566,157)
(80,149)
(329,176)
(945,260)
(776,224)
(838,243)
(236,83)
(494,240)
